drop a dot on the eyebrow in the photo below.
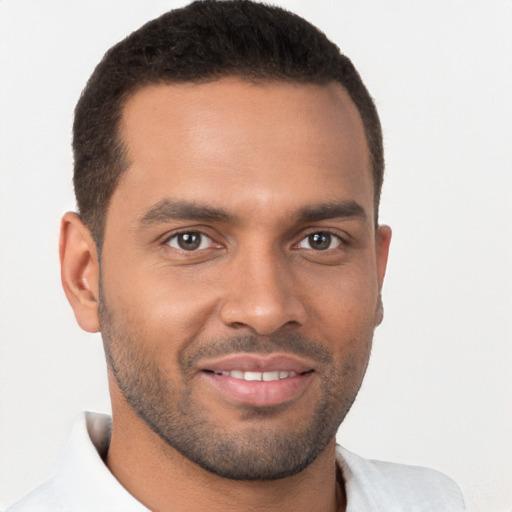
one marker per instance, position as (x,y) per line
(167,209)
(332,210)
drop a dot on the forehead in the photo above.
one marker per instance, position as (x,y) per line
(241,142)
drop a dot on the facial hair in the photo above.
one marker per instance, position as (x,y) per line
(252,450)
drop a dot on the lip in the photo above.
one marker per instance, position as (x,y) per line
(258,363)
(258,393)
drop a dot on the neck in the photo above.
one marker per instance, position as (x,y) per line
(162,479)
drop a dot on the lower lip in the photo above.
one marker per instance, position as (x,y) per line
(260,393)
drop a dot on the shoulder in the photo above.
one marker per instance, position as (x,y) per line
(81,481)
(41,499)
(53,495)
(388,486)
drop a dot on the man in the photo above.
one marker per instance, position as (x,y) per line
(228,167)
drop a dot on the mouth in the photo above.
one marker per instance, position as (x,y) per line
(257,376)
(258,380)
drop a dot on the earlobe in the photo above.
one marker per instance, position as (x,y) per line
(382,242)
(80,271)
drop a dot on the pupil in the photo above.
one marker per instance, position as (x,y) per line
(189,241)
(320,241)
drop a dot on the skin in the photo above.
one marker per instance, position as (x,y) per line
(266,155)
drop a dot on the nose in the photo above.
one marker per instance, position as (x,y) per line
(262,295)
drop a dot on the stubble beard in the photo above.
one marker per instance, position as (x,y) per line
(252,453)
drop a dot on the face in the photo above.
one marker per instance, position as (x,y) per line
(241,271)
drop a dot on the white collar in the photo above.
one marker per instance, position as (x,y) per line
(82,481)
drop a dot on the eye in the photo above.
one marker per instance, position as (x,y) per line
(320,241)
(190,241)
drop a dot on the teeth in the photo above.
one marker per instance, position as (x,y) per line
(253,376)
(268,376)
(257,376)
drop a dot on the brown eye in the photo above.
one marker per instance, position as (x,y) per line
(320,241)
(190,241)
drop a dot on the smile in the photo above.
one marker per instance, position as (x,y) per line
(257,376)
(259,380)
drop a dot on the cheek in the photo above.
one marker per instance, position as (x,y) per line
(167,306)
(343,314)
(344,299)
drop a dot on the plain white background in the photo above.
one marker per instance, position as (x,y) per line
(439,387)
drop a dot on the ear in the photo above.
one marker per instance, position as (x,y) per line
(80,271)
(382,241)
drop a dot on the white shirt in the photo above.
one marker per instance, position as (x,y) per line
(82,481)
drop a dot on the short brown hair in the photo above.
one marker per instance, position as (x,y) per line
(204,41)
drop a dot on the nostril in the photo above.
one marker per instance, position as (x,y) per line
(263,311)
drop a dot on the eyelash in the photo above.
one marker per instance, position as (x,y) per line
(167,240)
(333,237)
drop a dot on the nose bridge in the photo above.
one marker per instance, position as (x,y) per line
(261,293)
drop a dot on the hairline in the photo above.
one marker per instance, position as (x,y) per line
(123,162)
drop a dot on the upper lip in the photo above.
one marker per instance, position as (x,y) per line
(257,363)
